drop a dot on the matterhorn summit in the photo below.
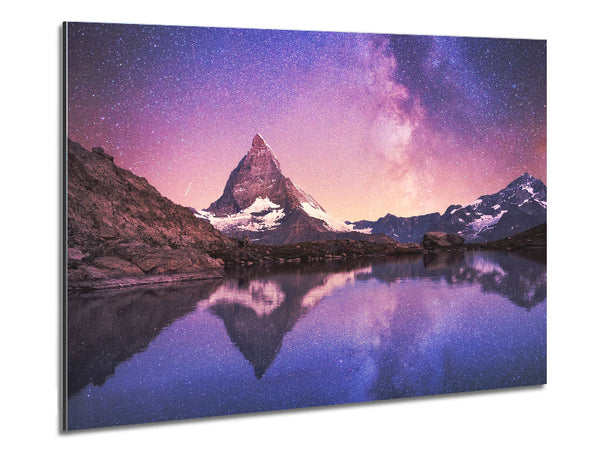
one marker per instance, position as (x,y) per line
(261,203)
(259,143)
(258,175)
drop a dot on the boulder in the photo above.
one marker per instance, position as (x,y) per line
(117,266)
(75,254)
(437,240)
(100,151)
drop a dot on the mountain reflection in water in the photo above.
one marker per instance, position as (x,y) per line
(329,333)
(106,328)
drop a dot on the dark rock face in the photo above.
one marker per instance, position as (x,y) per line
(100,151)
(121,226)
(436,240)
(516,208)
(532,240)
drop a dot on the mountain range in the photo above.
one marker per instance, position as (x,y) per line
(262,204)
(518,207)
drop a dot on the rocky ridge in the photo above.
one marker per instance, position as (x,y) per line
(122,230)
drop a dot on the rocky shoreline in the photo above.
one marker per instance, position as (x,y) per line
(532,239)
(119,265)
(142,280)
(248,254)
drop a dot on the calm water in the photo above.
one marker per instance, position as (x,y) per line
(306,336)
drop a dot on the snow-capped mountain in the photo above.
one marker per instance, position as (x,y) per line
(518,207)
(260,203)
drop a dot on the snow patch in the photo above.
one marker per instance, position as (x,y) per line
(262,215)
(260,204)
(266,222)
(485,266)
(263,296)
(332,223)
(484,222)
(203,215)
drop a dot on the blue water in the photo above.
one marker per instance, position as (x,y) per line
(302,336)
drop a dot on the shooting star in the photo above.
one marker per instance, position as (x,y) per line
(187,190)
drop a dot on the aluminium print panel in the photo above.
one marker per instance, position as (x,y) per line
(260,220)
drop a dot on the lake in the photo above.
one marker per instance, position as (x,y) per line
(303,335)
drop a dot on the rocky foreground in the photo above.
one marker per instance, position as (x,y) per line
(122,231)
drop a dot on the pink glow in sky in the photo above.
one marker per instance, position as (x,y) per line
(366,124)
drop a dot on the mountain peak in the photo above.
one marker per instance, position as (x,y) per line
(261,150)
(525,177)
(523,180)
(258,175)
(259,142)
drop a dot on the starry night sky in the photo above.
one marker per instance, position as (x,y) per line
(368,124)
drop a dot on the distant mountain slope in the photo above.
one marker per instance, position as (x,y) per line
(403,229)
(262,204)
(533,239)
(518,207)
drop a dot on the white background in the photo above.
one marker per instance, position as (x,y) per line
(564,413)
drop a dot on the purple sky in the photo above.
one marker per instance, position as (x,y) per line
(366,124)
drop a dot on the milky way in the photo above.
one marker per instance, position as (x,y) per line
(368,124)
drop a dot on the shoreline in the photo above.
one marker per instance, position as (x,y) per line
(224,260)
(233,270)
(138,281)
